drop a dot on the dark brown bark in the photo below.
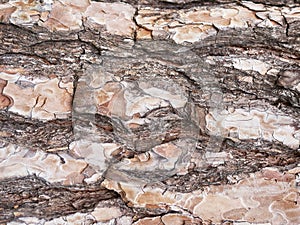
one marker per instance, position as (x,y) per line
(33,196)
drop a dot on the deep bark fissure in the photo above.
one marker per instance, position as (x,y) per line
(33,196)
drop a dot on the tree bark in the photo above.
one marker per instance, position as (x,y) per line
(149,112)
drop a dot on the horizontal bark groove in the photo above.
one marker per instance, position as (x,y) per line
(33,196)
(181,4)
(247,157)
(35,134)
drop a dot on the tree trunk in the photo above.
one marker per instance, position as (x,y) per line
(149,112)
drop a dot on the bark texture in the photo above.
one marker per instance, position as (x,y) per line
(33,196)
(149,112)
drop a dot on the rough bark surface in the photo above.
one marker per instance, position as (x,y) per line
(149,112)
(33,196)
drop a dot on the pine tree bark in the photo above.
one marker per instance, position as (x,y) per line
(156,111)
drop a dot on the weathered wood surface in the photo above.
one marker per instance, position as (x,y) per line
(149,112)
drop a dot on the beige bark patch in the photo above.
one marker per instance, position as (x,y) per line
(40,99)
(63,18)
(116,17)
(143,33)
(105,214)
(5,12)
(21,162)
(28,12)
(149,221)
(214,206)
(5,101)
(192,33)
(24,99)
(176,219)
(255,124)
